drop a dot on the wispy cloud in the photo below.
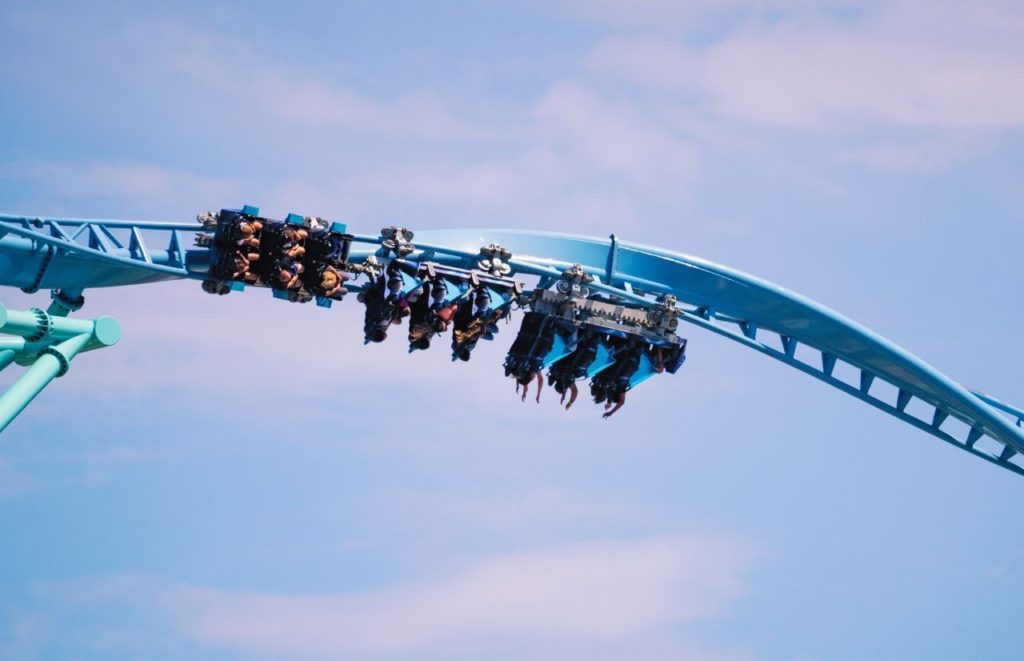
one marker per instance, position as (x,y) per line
(594,600)
(614,137)
(943,65)
(576,158)
(231,79)
(298,97)
(595,593)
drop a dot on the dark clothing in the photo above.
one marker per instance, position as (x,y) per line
(534,341)
(379,312)
(574,366)
(610,384)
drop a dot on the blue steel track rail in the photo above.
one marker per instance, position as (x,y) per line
(74,254)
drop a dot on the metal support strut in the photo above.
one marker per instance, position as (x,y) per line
(46,344)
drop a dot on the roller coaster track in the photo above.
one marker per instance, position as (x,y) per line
(70,255)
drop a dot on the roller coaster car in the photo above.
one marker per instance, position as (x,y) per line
(589,357)
(542,340)
(632,361)
(380,312)
(389,297)
(610,385)
(429,314)
(299,258)
(435,297)
(616,346)
(656,325)
(476,318)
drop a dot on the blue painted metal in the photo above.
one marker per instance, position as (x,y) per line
(741,307)
(559,350)
(603,361)
(788,345)
(80,259)
(722,298)
(828,362)
(612,264)
(903,398)
(866,379)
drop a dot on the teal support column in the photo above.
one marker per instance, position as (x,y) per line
(9,348)
(52,360)
(35,324)
(65,301)
(51,364)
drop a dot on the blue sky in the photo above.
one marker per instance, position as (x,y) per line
(240,478)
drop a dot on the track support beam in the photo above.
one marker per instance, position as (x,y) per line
(46,344)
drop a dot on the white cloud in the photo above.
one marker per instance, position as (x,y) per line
(638,598)
(613,137)
(906,64)
(653,61)
(241,74)
(210,73)
(579,159)
(597,593)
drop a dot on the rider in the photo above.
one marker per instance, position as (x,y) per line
(429,315)
(535,340)
(325,280)
(332,282)
(472,321)
(293,240)
(378,315)
(610,385)
(421,323)
(289,274)
(564,373)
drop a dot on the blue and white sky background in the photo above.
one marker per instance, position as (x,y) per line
(241,479)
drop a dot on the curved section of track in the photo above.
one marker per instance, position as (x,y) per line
(76,254)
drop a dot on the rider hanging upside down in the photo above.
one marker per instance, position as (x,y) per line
(526,356)
(381,310)
(610,385)
(332,282)
(242,263)
(288,274)
(472,321)
(564,373)
(429,315)
(293,237)
(324,280)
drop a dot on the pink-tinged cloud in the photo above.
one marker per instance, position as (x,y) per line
(931,65)
(600,593)
(298,97)
(615,138)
